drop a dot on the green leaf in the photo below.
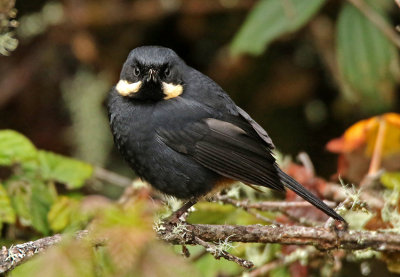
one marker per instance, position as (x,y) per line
(261,254)
(62,213)
(357,219)
(31,201)
(367,60)
(15,148)
(211,213)
(41,200)
(208,266)
(280,272)
(270,19)
(391,180)
(59,214)
(71,172)
(20,194)
(7,213)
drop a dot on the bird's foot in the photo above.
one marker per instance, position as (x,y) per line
(175,218)
(337,227)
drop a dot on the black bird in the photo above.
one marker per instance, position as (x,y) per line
(184,135)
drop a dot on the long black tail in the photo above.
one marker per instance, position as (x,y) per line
(308,196)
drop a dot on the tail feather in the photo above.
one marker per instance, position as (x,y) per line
(306,195)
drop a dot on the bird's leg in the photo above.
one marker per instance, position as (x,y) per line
(174,218)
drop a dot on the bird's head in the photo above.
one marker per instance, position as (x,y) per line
(151,73)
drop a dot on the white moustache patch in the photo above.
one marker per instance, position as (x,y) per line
(125,88)
(171,90)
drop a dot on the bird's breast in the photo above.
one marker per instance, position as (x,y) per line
(134,126)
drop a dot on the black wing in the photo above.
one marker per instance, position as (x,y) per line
(226,149)
(256,127)
(236,148)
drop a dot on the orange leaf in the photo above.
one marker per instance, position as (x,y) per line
(364,134)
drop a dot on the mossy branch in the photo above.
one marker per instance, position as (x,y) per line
(322,238)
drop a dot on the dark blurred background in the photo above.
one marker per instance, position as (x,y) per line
(54,84)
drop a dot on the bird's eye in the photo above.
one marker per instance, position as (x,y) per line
(136,71)
(167,72)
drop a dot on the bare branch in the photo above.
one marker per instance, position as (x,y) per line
(17,254)
(146,11)
(284,260)
(210,235)
(376,158)
(272,206)
(305,159)
(245,205)
(266,268)
(111,177)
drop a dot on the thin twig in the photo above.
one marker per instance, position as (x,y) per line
(283,205)
(185,251)
(377,20)
(150,10)
(305,159)
(218,253)
(302,220)
(245,205)
(377,154)
(111,177)
(338,194)
(272,206)
(198,256)
(260,216)
(284,260)
(266,268)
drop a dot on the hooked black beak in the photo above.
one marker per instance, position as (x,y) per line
(152,76)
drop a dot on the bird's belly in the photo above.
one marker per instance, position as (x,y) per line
(167,170)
